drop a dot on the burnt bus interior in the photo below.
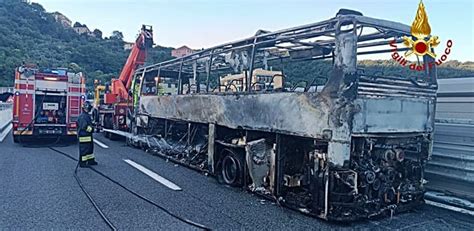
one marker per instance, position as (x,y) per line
(353,149)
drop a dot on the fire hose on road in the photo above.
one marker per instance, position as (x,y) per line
(101,213)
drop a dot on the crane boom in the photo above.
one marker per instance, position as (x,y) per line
(119,87)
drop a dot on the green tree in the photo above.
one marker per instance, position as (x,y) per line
(117,35)
(75,68)
(97,33)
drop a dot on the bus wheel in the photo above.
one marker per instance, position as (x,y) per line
(231,168)
(15,139)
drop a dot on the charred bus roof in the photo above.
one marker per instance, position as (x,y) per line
(308,42)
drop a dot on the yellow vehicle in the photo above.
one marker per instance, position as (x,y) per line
(98,89)
(100,110)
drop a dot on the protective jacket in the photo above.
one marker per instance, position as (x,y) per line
(84,133)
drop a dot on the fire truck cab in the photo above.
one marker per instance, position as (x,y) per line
(46,103)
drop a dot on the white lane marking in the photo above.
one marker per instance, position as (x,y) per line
(153,175)
(5,132)
(449,207)
(102,145)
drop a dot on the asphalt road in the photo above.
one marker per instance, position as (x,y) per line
(38,191)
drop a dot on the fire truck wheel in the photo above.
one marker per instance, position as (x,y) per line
(108,124)
(231,168)
(112,136)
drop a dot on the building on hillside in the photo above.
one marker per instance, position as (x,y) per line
(127,46)
(82,29)
(61,18)
(181,51)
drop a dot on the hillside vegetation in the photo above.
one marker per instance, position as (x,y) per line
(28,34)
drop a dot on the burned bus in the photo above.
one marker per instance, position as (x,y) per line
(354,149)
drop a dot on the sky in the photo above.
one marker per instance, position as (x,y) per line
(205,23)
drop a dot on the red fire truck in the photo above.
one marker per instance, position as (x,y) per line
(46,103)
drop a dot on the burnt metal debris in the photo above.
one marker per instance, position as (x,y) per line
(354,149)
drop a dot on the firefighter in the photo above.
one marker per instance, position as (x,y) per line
(84,133)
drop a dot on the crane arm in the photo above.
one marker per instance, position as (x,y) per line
(136,58)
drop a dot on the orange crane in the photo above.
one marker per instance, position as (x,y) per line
(113,110)
(119,87)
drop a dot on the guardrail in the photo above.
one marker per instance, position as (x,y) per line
(451,169)
(4,106)
(5,115)
(6,89)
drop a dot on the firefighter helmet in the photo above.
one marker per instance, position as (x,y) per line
(86,106)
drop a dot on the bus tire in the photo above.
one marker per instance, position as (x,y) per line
(231,170)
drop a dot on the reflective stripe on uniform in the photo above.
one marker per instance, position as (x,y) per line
(89,129)
(90,156)
(85,139)
(87,157)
